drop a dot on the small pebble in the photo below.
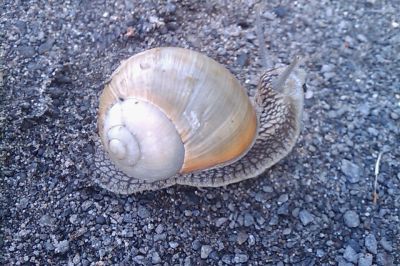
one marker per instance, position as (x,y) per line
(248,220)
(365,260)
(274,220)
(100,219)
(280,11)
(371,243)
(45,220)
(351,219)
(139,259)
(159,229)
(196,245)
(227,259)
(242,237)
(384,259)
(305,217)
(242,60)
(351,171)
(327,68)
(23,203)
(73,219)
(86,205)
(350,255)
(143,212)
(240,258)
(320,253)
(386,244)
(155,257)
(220,221)
(267,189)
(283,198)
(205,251)
(394,116)
(173,244)
(62,247)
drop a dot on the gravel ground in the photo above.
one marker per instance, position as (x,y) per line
(313,208)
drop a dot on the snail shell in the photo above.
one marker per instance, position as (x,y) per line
(172,115)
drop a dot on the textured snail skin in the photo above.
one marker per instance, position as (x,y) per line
(279,117)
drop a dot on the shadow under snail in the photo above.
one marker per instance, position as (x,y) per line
(174,116)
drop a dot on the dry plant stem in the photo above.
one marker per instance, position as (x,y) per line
(377,165)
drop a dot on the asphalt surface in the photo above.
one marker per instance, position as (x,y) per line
(315,207)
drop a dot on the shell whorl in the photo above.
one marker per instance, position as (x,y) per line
(132,126)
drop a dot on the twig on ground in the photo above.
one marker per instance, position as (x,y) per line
(377,165)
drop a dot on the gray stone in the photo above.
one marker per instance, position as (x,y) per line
(73,219)
(365,260)
(26,51)
(267,189)
(354,244)
(386,244)
(23,203)
(327,68)
(351,219)
(248,220)
(143,212)
(48,246)
(342,262)
(320,253)
(170,8)
(242,237)
(158,237)
(155,257)
(76,259)
(220,221)
(283,209)
(62,247)
(139,259)
(240,258)
(384,259)
(45,220)
(350,255)
(100,219)
(351,171)
(46,46)
(305,217)
(227,259)
(159,229)
(205,251)
(173,244)
(394,116)
(251,240)
(274,220)
(196,245)
(86,205)
(188,261)
(283,198)
(371,244)
(127,218)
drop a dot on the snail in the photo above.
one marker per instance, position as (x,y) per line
(175,116)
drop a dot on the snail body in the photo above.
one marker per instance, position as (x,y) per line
(174,116)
